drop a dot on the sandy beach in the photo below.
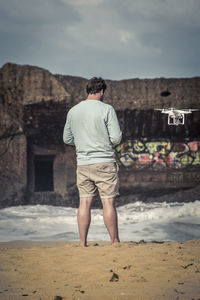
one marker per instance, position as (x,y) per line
(125,271)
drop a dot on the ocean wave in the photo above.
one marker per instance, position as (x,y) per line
(139,220)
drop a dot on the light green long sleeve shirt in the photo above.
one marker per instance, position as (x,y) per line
(92,126)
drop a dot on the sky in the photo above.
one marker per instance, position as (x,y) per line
(115,39)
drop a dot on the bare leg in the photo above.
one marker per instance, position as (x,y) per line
(110,219)
(84,218)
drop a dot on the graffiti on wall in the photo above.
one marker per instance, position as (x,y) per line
(158,155)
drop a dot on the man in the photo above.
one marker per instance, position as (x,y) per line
(93,128)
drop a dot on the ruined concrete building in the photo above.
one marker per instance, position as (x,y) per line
(37,168)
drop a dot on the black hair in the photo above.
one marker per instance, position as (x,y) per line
(95,85)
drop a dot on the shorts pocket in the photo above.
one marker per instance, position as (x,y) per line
(108,168)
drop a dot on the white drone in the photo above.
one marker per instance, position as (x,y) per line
(176,116)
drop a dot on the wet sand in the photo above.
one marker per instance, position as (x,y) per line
(125,271)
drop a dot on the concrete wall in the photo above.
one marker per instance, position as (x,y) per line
(154,158)
(13,170)
(162,154)
(64,176)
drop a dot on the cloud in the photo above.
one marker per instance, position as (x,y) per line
(31,12)
(30,30)
(113,38)
(83,3)
(24,17)
(125,36)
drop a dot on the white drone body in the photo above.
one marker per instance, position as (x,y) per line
(176,116)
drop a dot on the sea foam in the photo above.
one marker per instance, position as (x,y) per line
(139,220)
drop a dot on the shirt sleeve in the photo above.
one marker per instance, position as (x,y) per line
(114,131)
(68,137)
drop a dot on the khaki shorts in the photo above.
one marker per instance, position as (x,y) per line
(100,176)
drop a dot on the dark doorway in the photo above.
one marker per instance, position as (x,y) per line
(43,173)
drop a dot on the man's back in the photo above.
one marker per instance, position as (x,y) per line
(94,130)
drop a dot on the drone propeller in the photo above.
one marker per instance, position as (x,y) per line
(171,109)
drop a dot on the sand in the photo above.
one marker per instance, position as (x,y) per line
(125,271)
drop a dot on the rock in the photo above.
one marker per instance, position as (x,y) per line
(186,266)
(58,298)
(115,277)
